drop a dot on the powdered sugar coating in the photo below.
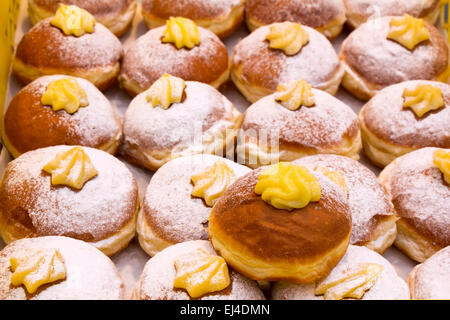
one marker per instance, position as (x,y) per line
(156,282)
(148,58)
(179,126)
(89,273)
(317,62)
(366,196)
(431,279)
(31,125)
(322,126)
(104,205)
(192,9)
(382,62)
(420,195)
(170,209)
(385,117)
(99,8)
(388,286)
(47,46)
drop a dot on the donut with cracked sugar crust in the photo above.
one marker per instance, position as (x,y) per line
(421,197)
(373,217)
(378,279)
(204,122)
(170,212)
(148,58)
(327,17)
(431,279)
(116,15)
(39,199)
(29,124)
(79,271)
(157,279)
(393,122)
(257,69)
(270,132)
(359,11)
(45,50)
(219,16)
(373,62)
(305,243)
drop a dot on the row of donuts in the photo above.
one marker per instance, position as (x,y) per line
(52,193)
(377,54)
(222,17)
(176,117)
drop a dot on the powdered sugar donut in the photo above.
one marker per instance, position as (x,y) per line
(387,286)
(103,213)
(219,16)
(257,69)
(421,199)
(373,218)
(29,125)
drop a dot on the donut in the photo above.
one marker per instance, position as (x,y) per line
(394,121)
(78,271)
(158,279)
(359,11)
(148,58)
(372,61)
(271,132)
(420,193)
(170,212)
(204,121)
(257,68)
(373,218)
(431,279)
(296,228)
(116,15)
(361,274)
(45,50)
(327,17)
(218,16)
(79,192)
(30,124)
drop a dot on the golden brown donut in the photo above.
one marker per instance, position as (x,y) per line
(103,213)
(389,130)
(431,279)
(359,11)
(148,58)
(219,16)
(204,122)
(325,16)
(46,50)
(373,218)
(271,133)
(257,69)
(29,125)
(116,15)
(388,285)
(170,214)
(89,274)
(373,62)
(269,244)
(421,199)
(156,281)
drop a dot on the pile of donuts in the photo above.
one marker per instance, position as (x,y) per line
(229,215)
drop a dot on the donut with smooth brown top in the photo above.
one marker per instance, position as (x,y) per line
(116,15)
(102,213)
(46,50)
(325,16)
(29,125)
(265,243)
(219,16)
